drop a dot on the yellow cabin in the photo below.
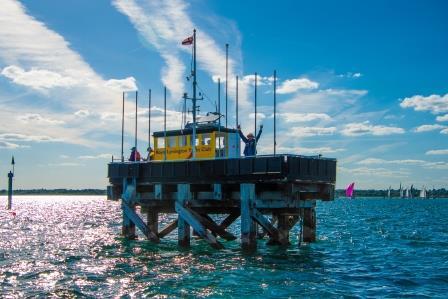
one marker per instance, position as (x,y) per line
(211,142)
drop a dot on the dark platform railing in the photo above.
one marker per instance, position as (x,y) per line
(245,169)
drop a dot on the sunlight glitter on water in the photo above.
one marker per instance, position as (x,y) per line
(70,246)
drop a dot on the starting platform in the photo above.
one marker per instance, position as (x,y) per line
(273,192)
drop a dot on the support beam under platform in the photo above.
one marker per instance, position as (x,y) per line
(248,226)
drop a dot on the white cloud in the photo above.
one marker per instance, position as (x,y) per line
(371,161)
(9,145)
(310,150)
(93,157)
(350,75)
(365,128)
(37,118)
(37,78)
(164,24)
(302,117)
(406,162)
(65,164)
(293,85)
(311,131)
(437,152)
(434,103)
(127,84)
(29,138)
(322,101)
(377,172)
(442,117)
(427,128)
(259,115)
(82,113)
(444,131)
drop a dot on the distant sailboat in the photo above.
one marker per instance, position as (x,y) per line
(401,191)
(410,192)
(406,193)
(388,192)
(423,192)
(350,190)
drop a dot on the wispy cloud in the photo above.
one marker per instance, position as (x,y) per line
(434,103)
(365,128)
(94,157)
(164,24)
(428,128)
(442,117)
(311,131)
(310,150)
(302,117)
(294,85)
(437,152)
(51,69)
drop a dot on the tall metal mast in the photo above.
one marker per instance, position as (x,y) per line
(194,96)
(227,75)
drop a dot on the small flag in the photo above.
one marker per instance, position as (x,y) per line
(12,161)
(188,41)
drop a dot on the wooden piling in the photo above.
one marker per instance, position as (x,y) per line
(183,228)
(248,227)
(309,225)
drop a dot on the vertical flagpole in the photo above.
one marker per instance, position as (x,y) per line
(236,104)
(227,77)
(122,132)
(219,115)
(275,112)
(255,105)
(164,122)
(219,101)
(136,96)
(149,118)
(194,96)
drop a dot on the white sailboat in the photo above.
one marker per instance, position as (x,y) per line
(423,192)
(388,192)
(401,191)
(406,193)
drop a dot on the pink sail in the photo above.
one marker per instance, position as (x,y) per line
(349,190)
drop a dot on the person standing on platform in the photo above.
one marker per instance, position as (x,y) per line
(251,142)
(135,155)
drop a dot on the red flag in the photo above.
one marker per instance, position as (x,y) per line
(188,41)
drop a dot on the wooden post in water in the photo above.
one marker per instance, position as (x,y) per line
(248,227)
(10,176)
(183,228)
(309,225)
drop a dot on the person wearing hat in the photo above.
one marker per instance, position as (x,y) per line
(150,154)
(135,155)
(251,142)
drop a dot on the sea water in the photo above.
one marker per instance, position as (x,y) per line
(70,246)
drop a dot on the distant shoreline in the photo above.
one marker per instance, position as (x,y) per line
(438,193)
(56,192)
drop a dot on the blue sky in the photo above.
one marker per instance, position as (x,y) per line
(364,82)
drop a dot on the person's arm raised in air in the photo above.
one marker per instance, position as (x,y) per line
(259,133)
(245,140)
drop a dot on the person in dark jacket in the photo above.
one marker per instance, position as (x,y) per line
(135,155)
(251,142)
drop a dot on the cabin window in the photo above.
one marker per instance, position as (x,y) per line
(171,141)
(161,142)
(183,140)
(220,145)
(206,139)
(197,140)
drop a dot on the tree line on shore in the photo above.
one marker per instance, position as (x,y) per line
(433,193)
